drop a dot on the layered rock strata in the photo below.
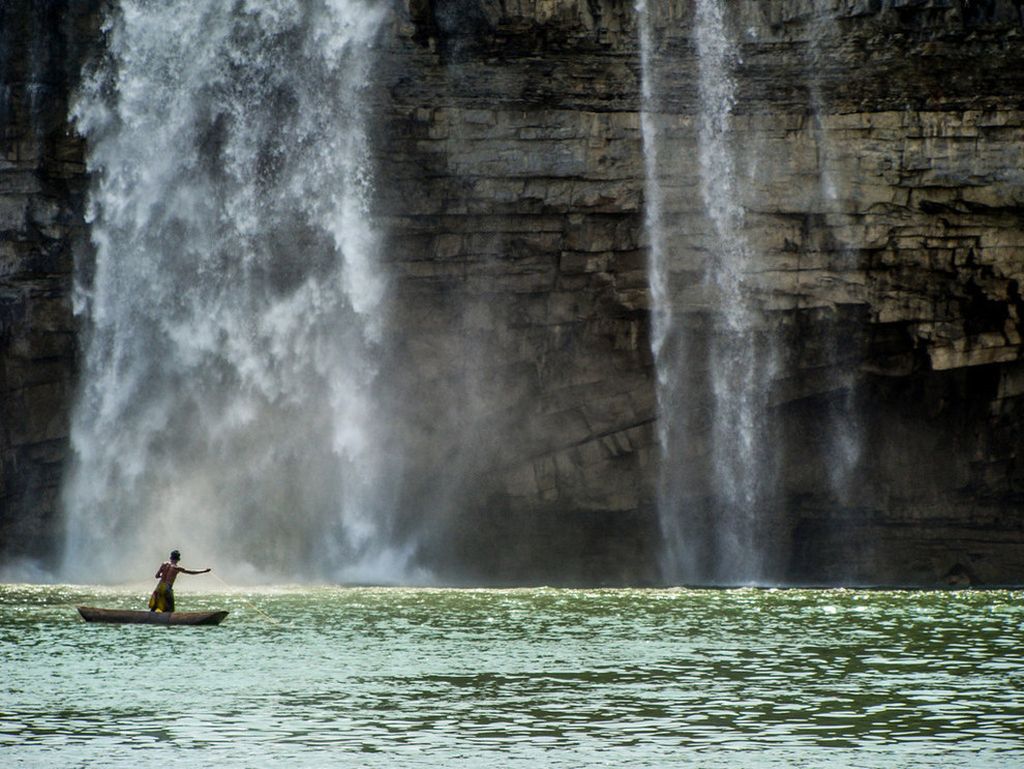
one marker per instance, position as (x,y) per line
(880,177)
(877,147)
(879,168)
(42,190)
(511,188)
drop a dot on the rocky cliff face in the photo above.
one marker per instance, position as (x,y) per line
(880,176)
(877,153)
(513,198)
(42,188)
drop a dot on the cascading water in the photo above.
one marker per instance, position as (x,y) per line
(844,449)
(741,367)
(674,556)
(714,378)
(227,405)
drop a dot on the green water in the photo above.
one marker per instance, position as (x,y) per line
(617,678)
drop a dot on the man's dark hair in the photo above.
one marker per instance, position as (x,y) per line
(175,555)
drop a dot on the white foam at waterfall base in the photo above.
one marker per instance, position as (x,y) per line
(231,317)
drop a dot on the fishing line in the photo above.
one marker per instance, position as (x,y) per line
(256,609)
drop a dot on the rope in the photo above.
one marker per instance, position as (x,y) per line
(256,609)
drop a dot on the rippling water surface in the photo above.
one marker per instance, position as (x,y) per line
(403,677)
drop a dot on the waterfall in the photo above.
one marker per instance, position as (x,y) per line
(673,555)
(232,314)
(741,363)
(670,344)
(844,438)
(713,355)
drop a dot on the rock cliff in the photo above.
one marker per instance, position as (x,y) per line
(882,190)
(516,204)
(877,148)
(42,231)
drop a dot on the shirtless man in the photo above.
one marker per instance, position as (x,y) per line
(163,597)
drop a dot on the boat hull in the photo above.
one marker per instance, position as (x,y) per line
(125,616)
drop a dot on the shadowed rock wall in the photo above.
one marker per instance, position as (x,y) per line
(510,184)
(878,154)
(42,186)
(510,189)
(514,191)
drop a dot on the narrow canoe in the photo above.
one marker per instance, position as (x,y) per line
(92,614)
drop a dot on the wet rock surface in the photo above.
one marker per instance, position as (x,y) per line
(42,194)
(516,183)
(510,191)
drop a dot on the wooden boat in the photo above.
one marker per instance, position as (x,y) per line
(125,616)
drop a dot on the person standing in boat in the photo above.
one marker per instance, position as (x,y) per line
(163,597)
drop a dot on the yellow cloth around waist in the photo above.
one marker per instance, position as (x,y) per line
(162,598)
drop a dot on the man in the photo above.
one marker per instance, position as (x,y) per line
(163,597)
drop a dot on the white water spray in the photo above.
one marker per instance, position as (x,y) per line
(714,378)
(739,372)
(843,428)
(668,337)
(227,403)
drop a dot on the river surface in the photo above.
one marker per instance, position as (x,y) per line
(375,677)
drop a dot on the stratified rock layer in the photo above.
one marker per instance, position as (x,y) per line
(878,154)
(511,181)
(878,151)
(42,188)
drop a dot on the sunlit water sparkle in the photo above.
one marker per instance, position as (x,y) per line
(542,677)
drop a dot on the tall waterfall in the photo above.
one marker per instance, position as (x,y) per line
(714,358)
(741,362)
(668,339)
(227,404)
(844,447)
